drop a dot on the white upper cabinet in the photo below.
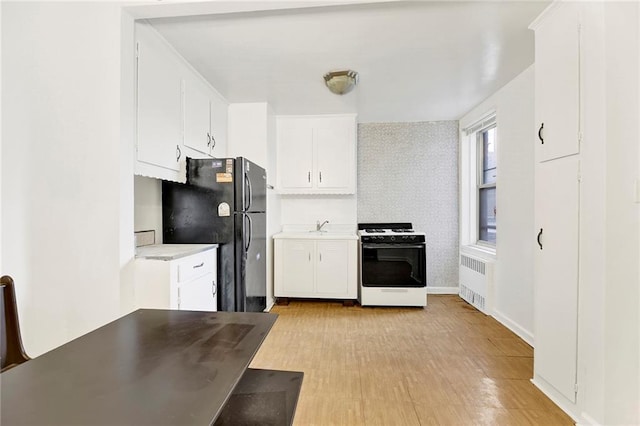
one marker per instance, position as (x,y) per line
(178,114)
(295,154)
(316,154)
(219,115)
(557,82)
(159,113)
(197,128)
(205,120)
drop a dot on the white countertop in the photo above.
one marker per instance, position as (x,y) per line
(171,251)
(315,235)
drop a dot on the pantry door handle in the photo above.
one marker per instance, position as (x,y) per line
(540,133)
(538,238)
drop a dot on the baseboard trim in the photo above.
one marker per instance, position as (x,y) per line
(270,304)
(563,404)
(587,420)
(443,290)
(524,334)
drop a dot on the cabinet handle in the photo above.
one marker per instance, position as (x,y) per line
(178,153)
(198,266)
(540,133)
(208,139)
(320,177)
(538,238)
(309,256)
(320,257)
(213,142)
(213,289)
(309,177)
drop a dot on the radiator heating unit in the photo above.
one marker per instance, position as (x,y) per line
(476,282)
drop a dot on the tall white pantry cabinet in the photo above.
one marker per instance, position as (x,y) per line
(557,197)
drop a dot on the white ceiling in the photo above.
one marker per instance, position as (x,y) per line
(418,61)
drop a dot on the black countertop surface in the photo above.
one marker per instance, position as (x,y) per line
(149,367)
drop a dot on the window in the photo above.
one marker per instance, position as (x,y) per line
(478,180)
(487,184)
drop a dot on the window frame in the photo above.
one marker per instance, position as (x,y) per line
(480,178)
(470,172)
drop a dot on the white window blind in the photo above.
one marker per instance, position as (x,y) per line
(480,124)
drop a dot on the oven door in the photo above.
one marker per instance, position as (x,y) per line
(393,265)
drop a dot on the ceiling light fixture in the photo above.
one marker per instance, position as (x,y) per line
(341,82)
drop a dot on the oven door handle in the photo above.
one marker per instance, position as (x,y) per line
(397,245)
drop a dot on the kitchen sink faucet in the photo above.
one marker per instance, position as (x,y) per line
(319,226)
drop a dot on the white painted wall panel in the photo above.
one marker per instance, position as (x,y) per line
(61,166)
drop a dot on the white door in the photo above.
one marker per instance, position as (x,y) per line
(332,271)
(556,273)
(197,133)
(333,139)
(295,154)
(159,108)
(297,268)
(198,294)
(557,83)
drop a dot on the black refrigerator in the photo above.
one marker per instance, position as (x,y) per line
(224,202)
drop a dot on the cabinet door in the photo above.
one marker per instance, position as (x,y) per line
(332,271)
(219,116)
(295,154)
(198,294)
(197,133)
(556,273)
(297,268)
(334,141)
(159,108)
(557,83)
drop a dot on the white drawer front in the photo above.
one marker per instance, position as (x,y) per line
(195,266)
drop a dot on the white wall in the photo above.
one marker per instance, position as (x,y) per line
(308,209)
(513,103)
(408,172)
(148,206)
(61,166)
(622,321)
(247,132)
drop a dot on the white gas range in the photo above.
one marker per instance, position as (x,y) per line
(392,265)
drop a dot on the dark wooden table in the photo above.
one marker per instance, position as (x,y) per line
(149,367)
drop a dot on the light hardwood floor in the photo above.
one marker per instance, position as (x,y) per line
(447,364)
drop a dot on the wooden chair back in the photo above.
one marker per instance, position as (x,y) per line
(11,350)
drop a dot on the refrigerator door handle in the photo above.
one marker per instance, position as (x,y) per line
(246,248)
(247,182)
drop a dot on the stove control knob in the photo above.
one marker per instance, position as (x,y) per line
(413,237)
(392,238)
(404,237)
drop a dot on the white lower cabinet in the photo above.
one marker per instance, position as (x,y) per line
(315,268)
(187,283)
(556,273)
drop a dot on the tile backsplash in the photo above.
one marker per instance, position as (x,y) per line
(408,172)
